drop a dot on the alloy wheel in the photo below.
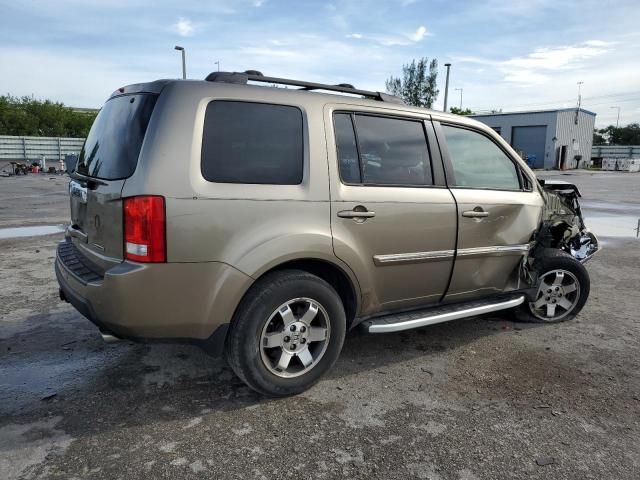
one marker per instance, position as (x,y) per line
(557,296)
(295,337)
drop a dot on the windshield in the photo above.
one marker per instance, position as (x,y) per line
(111,150)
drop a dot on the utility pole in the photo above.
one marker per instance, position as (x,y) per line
(184,64)
(446,87)
(579,94)
(579,101)
(618,119)
(460,97)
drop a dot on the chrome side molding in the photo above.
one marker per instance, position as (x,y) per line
(416,257)
(494,251)
(413,257)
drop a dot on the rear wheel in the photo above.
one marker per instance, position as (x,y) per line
(288,331)
(563,289)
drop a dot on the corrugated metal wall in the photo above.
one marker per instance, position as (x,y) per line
(31,149)
(28,149)
(615,151)
(567,131)
(561,131)
(508,121)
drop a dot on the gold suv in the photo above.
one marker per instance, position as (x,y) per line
(266,222)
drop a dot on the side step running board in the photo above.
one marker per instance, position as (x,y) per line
(109,338)
(445,313)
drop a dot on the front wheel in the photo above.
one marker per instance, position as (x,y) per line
(563,289)
(288,331)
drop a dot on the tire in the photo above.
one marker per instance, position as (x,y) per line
(262,339)
(557,289)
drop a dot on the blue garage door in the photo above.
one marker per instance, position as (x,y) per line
(531,141)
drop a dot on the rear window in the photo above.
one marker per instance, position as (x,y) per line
(255,143)
(111,150)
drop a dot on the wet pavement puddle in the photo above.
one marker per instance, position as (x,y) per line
(612,225)
(34,231)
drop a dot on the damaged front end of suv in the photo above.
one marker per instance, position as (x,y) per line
(556,282)
(562,226)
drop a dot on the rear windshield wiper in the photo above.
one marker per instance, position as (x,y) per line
(90,182)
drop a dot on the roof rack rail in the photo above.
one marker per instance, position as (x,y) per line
(256,76)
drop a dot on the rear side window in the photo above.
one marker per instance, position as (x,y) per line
(347,148)
(113,145)
(478,162)
(254,143)
(385,151)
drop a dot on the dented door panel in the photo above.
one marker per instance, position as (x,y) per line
(491,248)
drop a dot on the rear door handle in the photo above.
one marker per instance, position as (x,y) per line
(361,212)
(477,212)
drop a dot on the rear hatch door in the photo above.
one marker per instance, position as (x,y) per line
(108,157)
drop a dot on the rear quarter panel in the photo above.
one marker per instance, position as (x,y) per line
(246,226)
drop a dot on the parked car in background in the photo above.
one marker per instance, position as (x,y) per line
(264,223)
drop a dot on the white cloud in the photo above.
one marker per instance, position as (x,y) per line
(355,35)
(539,66)
(599,43)
(259,3)
(184,27)
(554,58)
(419,34)
(402,40)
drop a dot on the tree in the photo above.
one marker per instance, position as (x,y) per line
(458,111)
(418,85)
(611,135)
(29,117)
(598,138)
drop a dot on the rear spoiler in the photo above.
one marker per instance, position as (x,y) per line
(149,87)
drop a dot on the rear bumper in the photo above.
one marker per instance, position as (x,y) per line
(156,301)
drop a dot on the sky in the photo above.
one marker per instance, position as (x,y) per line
(505,54)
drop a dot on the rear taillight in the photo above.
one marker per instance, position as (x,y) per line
(144,229)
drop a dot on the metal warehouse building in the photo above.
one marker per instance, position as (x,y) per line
(547,138)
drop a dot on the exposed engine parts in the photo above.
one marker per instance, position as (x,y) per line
(563,227)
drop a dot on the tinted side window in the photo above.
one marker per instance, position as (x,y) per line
(252,143)
(393,151)
(347,149)
(478,162)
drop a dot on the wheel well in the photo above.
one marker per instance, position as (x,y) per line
(331,274)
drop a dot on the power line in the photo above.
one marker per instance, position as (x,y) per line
(566,100)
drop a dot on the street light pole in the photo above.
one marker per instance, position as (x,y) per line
(446,87)
(218,64)
(184,63)
(618,119)
(579,102)
(460,97)
(579,94)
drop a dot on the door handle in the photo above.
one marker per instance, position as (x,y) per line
(360,213)
(477,212)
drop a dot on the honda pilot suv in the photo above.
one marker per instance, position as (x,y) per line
(264,223)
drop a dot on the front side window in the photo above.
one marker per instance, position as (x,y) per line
(254,143)
(389,151)
(478,162)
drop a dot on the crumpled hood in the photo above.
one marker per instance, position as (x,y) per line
(563,226)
